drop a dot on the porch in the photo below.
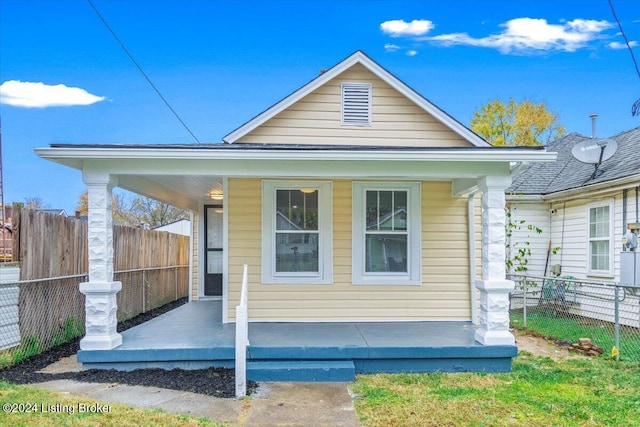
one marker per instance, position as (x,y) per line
(193,337)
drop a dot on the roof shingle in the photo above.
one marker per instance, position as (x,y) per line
(569,173)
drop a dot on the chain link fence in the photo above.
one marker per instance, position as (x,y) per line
(36,315)
(144,289)
(567,309)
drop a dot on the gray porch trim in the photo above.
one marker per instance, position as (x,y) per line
(171,341)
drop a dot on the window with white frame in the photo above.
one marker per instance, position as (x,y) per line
(296,237)
(386,233)
(600,218)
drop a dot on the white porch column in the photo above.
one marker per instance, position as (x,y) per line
(100,291)
(494,288)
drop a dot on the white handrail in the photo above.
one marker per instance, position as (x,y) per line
(242,336)
(245,280)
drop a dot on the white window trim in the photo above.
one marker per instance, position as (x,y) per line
(601,273)
(369,88)
(325,235)
(414,236)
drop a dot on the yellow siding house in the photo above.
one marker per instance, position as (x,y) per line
(353,199)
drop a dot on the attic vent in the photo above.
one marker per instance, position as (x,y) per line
(356,104)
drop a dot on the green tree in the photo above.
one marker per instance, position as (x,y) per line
(516,124)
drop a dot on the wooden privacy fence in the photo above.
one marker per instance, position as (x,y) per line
(52,254)
(50,245)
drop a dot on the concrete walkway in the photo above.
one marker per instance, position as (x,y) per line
(275,404)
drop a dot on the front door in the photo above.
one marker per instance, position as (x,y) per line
(213,224)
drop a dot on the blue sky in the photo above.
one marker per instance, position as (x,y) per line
(219,63)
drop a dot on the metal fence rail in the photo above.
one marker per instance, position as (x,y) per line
(39,314)
(567,309)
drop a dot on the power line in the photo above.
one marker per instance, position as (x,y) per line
(104,21)
(635,109)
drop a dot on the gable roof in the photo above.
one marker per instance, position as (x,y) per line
(568,173)
(358,57)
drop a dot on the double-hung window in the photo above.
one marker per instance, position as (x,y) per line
(600,255)
(296,239)
(386,233)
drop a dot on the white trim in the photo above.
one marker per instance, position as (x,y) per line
(202,255)
(531,198)
(358,320)
(471,235)
(603,203)
(202,262)
(225,250)
(325,233)
(60,154)
(414,235)
(358,58)
(613,185)
(190,296)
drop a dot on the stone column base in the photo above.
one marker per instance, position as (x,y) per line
(106,342)
(485,337)
(494,312)
(101,319)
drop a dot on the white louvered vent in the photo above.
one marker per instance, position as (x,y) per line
(356,104)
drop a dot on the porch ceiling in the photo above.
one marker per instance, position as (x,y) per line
(184,191)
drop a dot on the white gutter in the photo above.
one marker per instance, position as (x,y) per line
(482,155)
(518,167)
(594,189)
(471,230)
(514,197)
(191,218)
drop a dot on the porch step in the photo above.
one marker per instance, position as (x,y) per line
(302,371)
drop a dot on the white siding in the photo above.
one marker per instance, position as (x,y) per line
(182,227)
(9,307)
(535,215)
(569,226)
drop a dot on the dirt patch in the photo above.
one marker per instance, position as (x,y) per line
(543,346)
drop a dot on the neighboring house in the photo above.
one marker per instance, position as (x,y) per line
(6,235)
(181,226)
(60,212)
(582,214)
(349,200)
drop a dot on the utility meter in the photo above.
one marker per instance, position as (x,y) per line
(630,240)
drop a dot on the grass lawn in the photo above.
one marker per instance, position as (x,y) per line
(36,401)
(539,392)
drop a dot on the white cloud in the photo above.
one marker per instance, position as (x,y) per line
(412,52)
(398,27)
(40,95)
(529,34)
(391,47)
(618,45)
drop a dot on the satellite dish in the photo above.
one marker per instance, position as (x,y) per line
(594,151)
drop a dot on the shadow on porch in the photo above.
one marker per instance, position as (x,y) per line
(192,337)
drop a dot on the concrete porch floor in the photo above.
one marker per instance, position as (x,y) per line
(193,337)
